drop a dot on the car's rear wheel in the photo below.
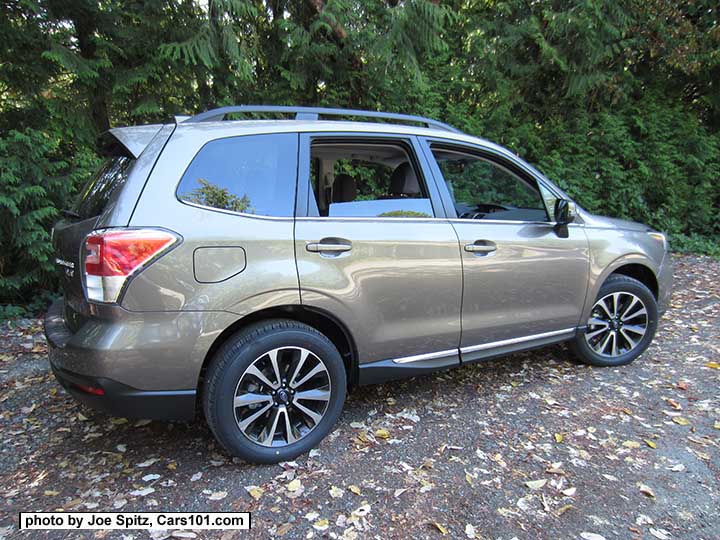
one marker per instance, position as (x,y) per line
(621,325)
(274,391)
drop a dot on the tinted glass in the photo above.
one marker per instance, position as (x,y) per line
(253,175)
(367,180)
(482,189)
(95,195)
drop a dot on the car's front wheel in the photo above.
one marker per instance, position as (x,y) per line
(621,326)
(274,391)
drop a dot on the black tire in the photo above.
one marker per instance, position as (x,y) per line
(614,284)
(236,355)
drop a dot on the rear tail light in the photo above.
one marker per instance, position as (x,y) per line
(113,255)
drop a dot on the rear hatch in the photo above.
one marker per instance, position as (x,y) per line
(120,149)
(70,232)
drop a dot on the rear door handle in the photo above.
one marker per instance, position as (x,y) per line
(334,247)
(481,247)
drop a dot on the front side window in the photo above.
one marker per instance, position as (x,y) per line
(253,174)
(483,189)
(360,179)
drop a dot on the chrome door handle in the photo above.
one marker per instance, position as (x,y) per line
(319,247)
(485,247)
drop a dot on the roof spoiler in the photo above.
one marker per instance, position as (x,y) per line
(130,141)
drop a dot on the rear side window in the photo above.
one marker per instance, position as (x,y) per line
(254,174)
(96,193)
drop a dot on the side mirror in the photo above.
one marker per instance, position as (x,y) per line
(565,211)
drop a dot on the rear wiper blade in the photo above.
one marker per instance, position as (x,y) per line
(70,214)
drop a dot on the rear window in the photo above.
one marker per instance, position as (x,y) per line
(253,174)
(96,193)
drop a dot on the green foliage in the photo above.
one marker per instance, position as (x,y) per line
(617,102)
(209,194)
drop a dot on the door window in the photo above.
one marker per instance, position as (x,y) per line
(483,189)
(254,174)
(360,179)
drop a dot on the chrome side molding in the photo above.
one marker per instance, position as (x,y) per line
(514,341)
(428,356)
(569,332)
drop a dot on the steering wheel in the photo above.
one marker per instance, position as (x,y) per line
(481,210)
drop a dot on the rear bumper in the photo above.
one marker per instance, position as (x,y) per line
(68,351)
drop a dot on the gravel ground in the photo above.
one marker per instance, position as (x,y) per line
(530,446)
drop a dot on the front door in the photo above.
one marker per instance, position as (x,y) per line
(374,249)
(524,279)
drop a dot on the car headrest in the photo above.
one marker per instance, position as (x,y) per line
(344,188)
(404,181)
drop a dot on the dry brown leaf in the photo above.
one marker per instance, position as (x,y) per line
(440,528)
(382,434)
(650,443)
(355,489)
(559,438)
(646,490)
(563,509)
(713,365)
(681,421)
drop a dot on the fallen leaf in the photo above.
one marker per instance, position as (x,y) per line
(650,443)
(195,477)
(119,421)
(382,433)
(716,425)
(142,492)
(172,465)
(681,421)
(569,492)
(336,492)
(399,492)
(50,493)
(563,509)
(713,365)
(440,528)
(321,524)
(660,534)
(674,404)
(255,491)
(646,490)
(355,489)
(218,495)
(591,536)
(294,485)
(148,462)
(536,484)
(631,444)
(559,438)
(150,477)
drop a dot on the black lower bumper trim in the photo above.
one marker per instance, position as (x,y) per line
(128,402)
(388,370)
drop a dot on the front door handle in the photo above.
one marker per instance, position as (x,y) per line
(481,247)
(324,246)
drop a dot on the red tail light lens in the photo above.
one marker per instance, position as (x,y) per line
(111,256)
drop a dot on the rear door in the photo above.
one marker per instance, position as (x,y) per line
(524,279)
(374,248)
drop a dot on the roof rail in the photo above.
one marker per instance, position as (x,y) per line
(314,113)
